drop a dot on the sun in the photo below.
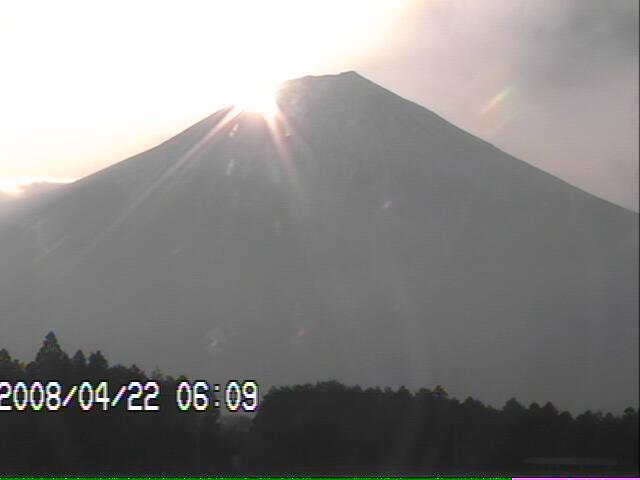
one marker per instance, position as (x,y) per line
(260,99)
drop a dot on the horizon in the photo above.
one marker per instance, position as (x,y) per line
(15,189)
(548,108)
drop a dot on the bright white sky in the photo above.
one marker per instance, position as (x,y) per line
(86,84)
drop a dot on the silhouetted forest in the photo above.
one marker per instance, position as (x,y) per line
(322,428)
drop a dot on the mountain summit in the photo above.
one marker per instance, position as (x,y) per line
(356,236)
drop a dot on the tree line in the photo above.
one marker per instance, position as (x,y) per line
(323,428)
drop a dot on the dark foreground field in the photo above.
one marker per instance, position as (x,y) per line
(327,428)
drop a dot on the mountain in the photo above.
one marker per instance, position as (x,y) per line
(357,236)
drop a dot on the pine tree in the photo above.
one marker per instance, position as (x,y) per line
(78,366)
(97,367)
(9,369)
(51,362)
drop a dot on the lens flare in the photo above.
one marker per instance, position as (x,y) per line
(497,100)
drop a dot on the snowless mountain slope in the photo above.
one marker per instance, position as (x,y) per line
(359,237)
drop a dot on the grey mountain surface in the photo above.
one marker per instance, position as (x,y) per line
(357,237)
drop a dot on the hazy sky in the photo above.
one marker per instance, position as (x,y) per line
(553,82)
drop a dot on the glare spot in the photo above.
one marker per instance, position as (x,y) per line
(260,99)
(215,338)
(17,186)
(387,205)
(230,166)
